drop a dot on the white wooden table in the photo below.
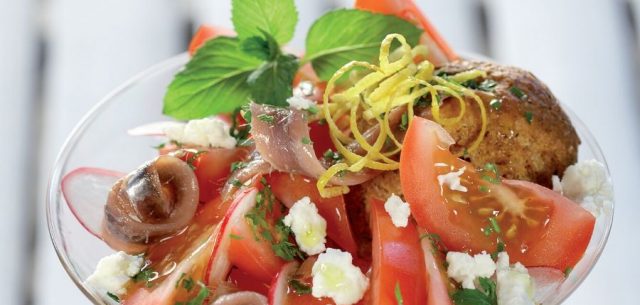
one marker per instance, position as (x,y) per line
(58,57)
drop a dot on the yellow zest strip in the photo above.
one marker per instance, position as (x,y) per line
(396,82)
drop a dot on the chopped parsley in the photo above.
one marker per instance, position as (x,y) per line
(490,173)
(528,115)
(496,104)
(235,182)
(517,92)
(113,297)
(283,248)
(398,294)
(313,109)
(239,130)
(186,282)
(194,157)
(484,295)
(483,188)
(238,165)
(234,236)
(331,156)
(299,288)
(146,275)
(488,85)
(200,299)
(269,119)
(567,271)
(404,122)
(499,248)
(160,146)
(495,225)
(306,141)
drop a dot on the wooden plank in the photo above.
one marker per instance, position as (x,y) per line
(93,47)
(17,80)
(583,50)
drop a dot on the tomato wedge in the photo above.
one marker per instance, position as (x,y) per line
(407,9)
(290,188)
(212,168)
(398,260)
(538,226)
(204,33)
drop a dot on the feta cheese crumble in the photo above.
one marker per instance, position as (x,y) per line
(465,269)
(587,183)
(300,102)
(308,227)
(398,210)
(452,180)
(514,286)
(335,276)
(207,132)
(114,272)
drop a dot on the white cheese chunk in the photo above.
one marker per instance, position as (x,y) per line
(452,180)
(114,272)
(208,132)
(300,102)
(587,183)
(465,269)
(398,210)
(514,286)
(335,277)
(308,227)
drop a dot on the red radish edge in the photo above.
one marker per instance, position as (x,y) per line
(219,264)
(280,285)
(437,288)
(69,189)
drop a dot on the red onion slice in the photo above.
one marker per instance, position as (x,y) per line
(86,190)
(280,133)
(280,285)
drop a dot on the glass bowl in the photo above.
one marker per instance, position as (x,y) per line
(100,140)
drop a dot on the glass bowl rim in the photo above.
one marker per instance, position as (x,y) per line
(55,176)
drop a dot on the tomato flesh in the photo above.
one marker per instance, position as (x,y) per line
(290,188)
(398,260)
(538,226)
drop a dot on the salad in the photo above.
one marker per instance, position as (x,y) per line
(377,168)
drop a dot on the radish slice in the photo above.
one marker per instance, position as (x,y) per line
(547,281)
(280,285)
(437,285)
(85,190)
(219,265)
(153,129)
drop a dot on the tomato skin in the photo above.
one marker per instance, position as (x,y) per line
(562,239)
(290,188)
(212,168)
(205,33)
(398,260)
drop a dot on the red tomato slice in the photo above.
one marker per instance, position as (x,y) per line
(290,188)
(204,33)
(212,168)
(408,10)
(538,226)
(243,281)
(398,260)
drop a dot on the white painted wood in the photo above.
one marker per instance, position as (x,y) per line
(93,47)
(17,79)
(219,13)
(583,50)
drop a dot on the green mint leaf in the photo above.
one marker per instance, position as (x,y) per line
(276,17)
(212,82)
(489,289)
(342,36)
(263,48)
(271,82)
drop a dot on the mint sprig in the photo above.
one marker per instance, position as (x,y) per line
(346,35)
(485,295)
(277,17)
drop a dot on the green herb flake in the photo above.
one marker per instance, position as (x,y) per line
(188,283)
(495,104)
(567,271)
(200,299)
(495,225)
(528,115)
(398,294)
(483,188)
(306,141)
(517,92)
(146,275)
(404,122)
(238,165)
(299,288)
(235,182)
(113,297)
(313,109)
(266,118)
(500,247)
(160,146)
(234,236)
